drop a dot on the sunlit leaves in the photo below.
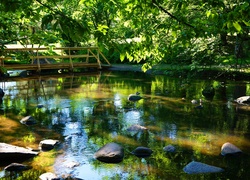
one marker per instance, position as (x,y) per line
(237,26)
(102,28)
(165,32)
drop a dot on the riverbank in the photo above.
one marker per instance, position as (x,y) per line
(214,72)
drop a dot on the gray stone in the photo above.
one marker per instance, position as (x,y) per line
(15,153)
(110,153)
(243,100)
(199,168)
(142,152)
(229,149)
(136,128)
(48,176)
(48,144)
(169,148)
(16,167)
(28,120)
(134,97)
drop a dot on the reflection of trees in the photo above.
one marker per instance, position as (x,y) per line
(100,108)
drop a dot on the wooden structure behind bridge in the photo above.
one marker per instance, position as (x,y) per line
(90,57)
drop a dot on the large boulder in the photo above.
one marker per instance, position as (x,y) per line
(15,153)
(142,152)
(198,168)
(229,149)
(110,153)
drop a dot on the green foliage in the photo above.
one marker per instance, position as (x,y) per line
(3,70)
(29,138)
(175,32)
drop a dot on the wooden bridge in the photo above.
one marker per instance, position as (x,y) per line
(87,57)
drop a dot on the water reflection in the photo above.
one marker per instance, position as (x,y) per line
(90,111)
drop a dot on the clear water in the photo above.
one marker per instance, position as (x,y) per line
(88,111)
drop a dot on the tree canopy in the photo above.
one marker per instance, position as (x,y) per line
(147,31)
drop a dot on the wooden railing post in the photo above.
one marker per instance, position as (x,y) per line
(104,57)
(87,58)
(98,60)
(70,59)
(38,63)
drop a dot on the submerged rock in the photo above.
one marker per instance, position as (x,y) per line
(229,149)
(48,144)
(169,148)
(28,120)
(136,128)
(134,97)
(110,153)
(40,106)
(198,168)
(142,152)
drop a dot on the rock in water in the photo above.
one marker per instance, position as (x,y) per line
(16,167)
(48,176)
(136,128)
(198,168)
(142,152)
(48,144)
(243,100)
(110,153)
(169,148)
(229,149)
(14,153)
(28,120)
(134,97)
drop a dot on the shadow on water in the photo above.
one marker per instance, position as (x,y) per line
(88,111)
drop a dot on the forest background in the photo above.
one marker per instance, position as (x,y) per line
(149,32)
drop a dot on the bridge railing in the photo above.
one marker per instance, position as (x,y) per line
(60,53)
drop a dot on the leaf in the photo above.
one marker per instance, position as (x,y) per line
(246,23)
(122,56)
(208,13)
(237,26)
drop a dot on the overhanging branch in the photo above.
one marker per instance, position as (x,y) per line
(171,15)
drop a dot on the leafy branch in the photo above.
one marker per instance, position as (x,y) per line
(171,15)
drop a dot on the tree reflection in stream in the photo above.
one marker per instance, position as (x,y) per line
(91,111)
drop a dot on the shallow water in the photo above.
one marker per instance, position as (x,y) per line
(86,112)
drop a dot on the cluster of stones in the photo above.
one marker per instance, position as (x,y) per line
(114,153)
(14,154)
(109,153)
